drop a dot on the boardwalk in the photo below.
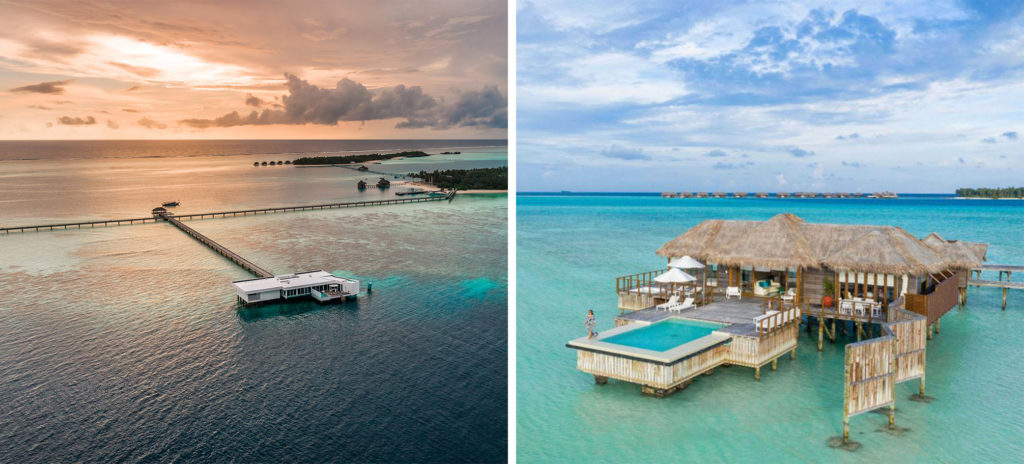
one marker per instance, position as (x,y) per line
(243,212)
(79,225)
(222,250)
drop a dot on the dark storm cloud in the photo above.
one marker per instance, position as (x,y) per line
(253,101)
(76,121)
(53,87)
(306,103)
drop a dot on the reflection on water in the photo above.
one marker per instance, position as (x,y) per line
(127,344)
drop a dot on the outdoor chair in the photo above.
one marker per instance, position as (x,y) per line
(686,304)
(733,292)
(671,302)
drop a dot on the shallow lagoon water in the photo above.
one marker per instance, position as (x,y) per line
(570,248)
(125,343)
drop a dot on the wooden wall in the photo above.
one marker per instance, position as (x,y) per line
(813,280)
(649,373)
(937,303)
(869,375)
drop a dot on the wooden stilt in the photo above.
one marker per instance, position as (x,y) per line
(832,336)
(1004,298)
(920,389)
(821,332)
(858,330)
(938,326)
(792,354)
(757,374)
(930,328)
(775,364)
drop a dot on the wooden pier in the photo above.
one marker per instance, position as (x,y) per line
(79,225)
(1002,269)
(221,249)
(243,212)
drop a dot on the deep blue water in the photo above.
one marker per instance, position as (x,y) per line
(125,344)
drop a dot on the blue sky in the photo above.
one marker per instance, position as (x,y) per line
(910,96)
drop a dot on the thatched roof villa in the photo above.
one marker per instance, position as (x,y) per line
(769,278)
(811,261)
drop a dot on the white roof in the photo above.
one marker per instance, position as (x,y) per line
(289,281)
(686,262)
(674,276)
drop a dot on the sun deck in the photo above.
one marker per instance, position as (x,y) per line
(740,311)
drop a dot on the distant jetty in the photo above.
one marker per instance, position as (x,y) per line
(775,195)
(355,159)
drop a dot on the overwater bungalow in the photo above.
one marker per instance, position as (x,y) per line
(782,195)
(383,183)
(718,195)
(669,195)
(702,194)
(739,194)
(361,185)
(755,282)
(686,194)
(321,285)
(761,195)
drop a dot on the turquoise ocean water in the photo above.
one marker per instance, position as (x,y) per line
(125,344)
(570,248)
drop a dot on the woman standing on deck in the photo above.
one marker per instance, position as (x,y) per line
(590,323)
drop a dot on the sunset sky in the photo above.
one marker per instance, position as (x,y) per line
(843,95)
(214,70)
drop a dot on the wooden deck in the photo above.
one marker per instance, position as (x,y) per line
(722,311)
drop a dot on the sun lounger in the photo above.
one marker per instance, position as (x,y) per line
(790,295)
(733,291)
(671,302)
(686,304)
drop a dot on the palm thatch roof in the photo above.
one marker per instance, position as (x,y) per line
(960,255)
(787,241)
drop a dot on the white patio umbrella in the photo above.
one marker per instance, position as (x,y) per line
(686,262)
(675,276)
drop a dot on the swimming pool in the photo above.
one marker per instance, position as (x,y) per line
(664,335)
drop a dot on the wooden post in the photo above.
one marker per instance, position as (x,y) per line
(832,336)
(1004,298)
(892,368)
(775,364)
(846,396)
(930,327)
(792,354)
(821,328)
(757,374)
(938,325)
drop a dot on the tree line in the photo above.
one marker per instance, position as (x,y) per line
(1008,192)
(349,159)
(466,179)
